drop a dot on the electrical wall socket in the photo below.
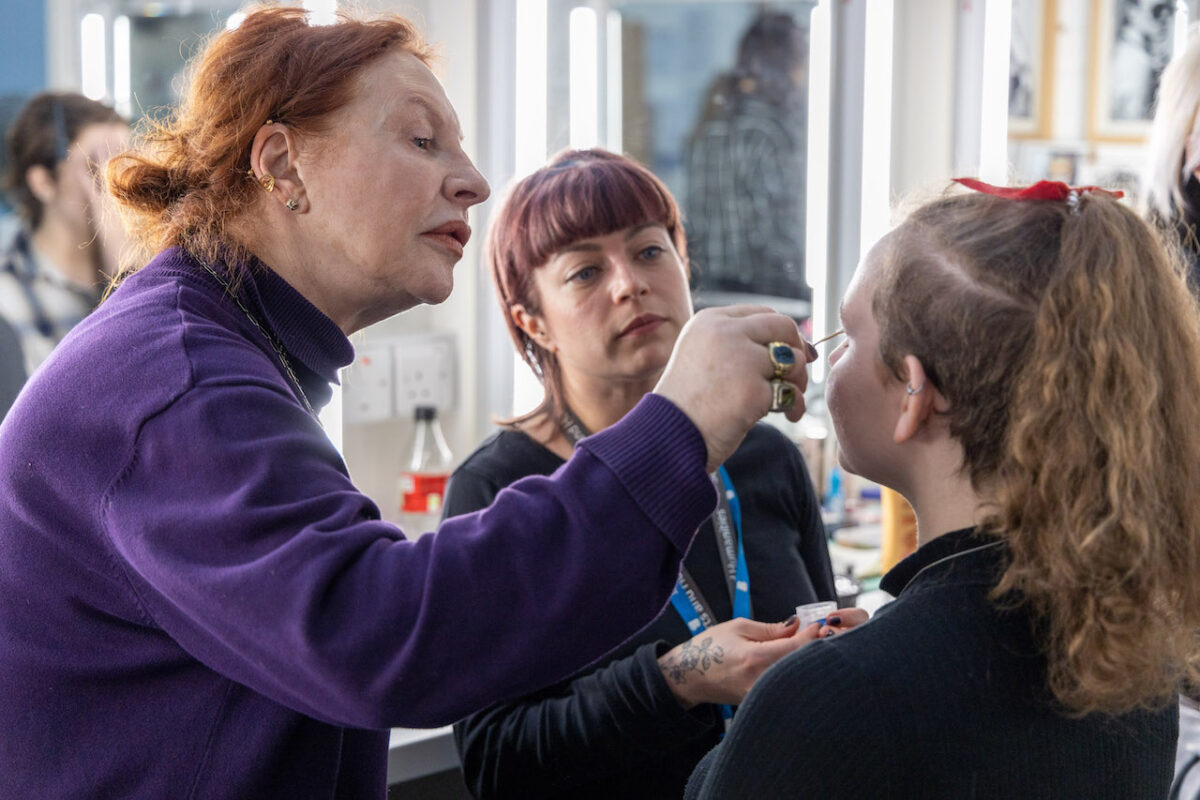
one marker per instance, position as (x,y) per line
(425,371)
(367,391)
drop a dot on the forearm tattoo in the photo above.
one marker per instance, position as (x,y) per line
(693,657)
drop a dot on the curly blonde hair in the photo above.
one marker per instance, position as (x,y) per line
(1068,346)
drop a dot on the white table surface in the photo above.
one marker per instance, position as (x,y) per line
(414,753)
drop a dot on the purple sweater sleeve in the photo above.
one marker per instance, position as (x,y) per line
(244,539)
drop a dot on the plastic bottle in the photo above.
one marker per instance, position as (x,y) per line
(423,480)
(815,612)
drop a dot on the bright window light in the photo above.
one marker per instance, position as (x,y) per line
(816,262)
(877,125)
(527,389)
(92,58)
(584,78)
(121,90)
(993,121)
(235,19)
(321,12)
(530,153)
(1181,26)
(613,114)
(531,86)
(331,418)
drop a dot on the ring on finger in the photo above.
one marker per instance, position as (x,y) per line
(783,358)
(783,395)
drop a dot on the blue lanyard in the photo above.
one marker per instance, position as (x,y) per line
(727,523)
(687,599)
(741,584)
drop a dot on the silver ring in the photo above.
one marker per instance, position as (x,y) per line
(783,395)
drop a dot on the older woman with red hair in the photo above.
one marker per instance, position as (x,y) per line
(197,600)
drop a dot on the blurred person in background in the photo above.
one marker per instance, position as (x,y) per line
(746,167)
(55,264)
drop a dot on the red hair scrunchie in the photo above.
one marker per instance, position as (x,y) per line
(1042,190)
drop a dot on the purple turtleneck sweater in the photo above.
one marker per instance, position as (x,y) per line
(197,602)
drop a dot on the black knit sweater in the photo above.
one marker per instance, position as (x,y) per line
(941,695)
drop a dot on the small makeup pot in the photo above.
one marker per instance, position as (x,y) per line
(815,612)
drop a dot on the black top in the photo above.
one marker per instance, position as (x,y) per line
(941,695)
(617,731)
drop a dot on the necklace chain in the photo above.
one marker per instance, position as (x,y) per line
(951,557)
(270,337)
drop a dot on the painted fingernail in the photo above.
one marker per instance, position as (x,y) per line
(789,620)
(829,633)
(812,351)
(834,621)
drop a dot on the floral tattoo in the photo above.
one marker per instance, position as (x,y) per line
(693,658)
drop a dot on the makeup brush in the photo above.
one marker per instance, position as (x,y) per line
(827,338)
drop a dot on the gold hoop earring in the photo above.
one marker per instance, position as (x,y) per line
(268,182)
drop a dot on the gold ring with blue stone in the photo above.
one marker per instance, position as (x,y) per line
(783,358)
(783,395)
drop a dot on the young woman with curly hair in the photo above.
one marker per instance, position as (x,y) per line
(1022,368)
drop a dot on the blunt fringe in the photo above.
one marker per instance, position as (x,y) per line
(187,178)
(580,194)
(1068,346)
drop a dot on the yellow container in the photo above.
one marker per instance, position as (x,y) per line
(899,534)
